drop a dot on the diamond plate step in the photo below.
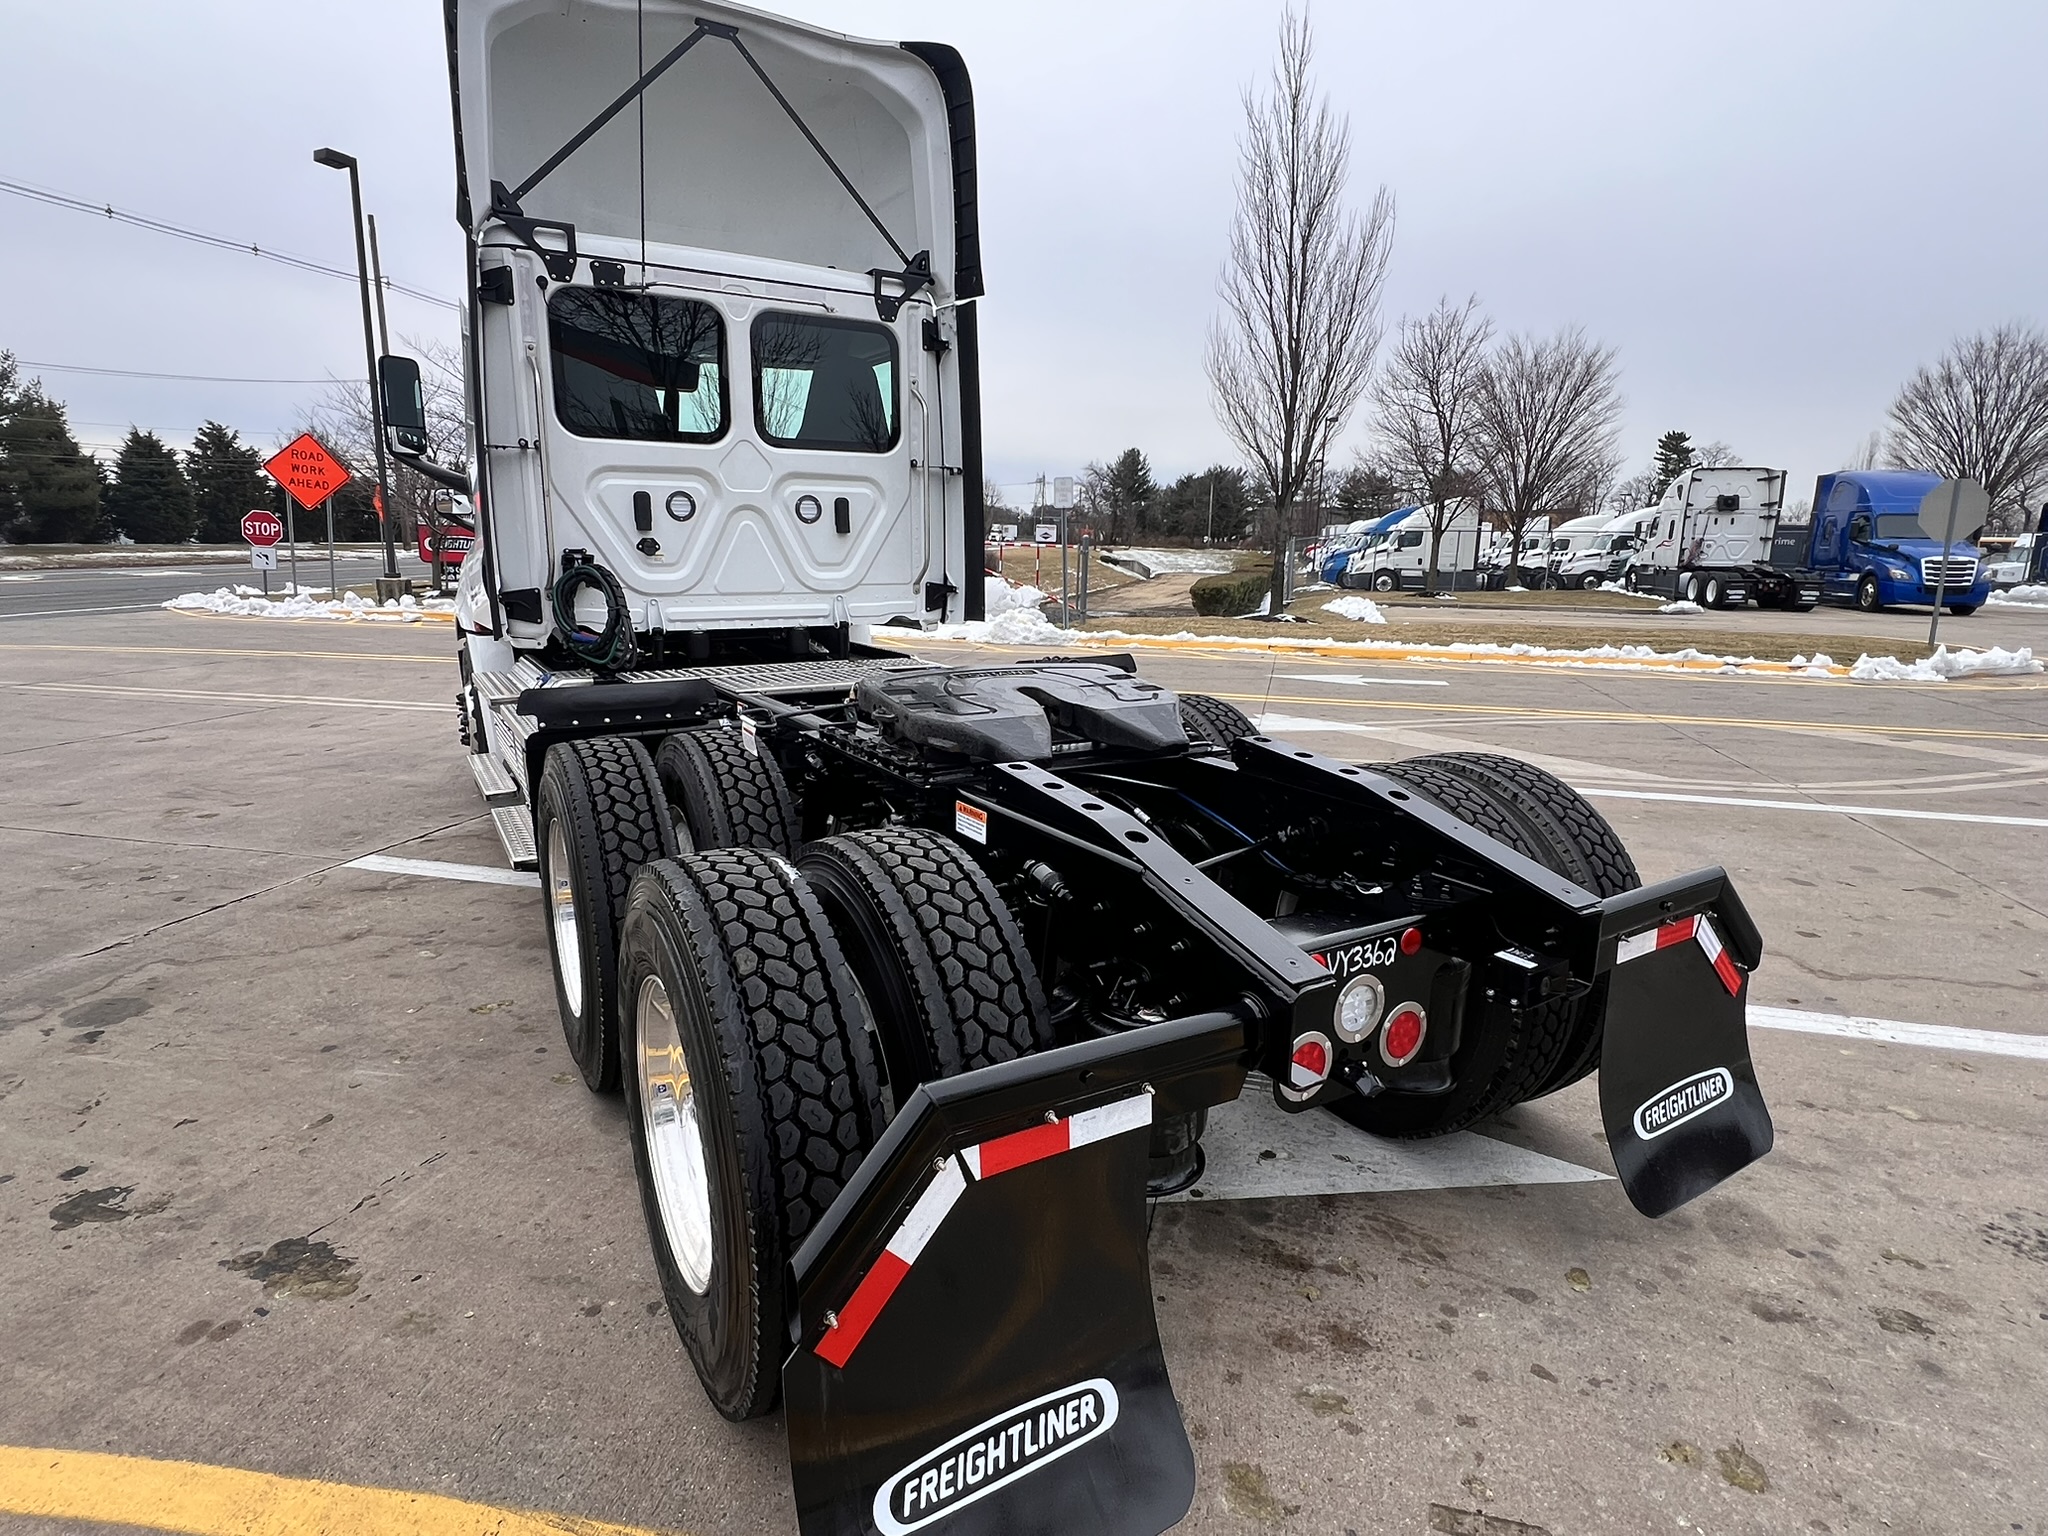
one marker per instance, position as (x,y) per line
(492,781)
(515,831)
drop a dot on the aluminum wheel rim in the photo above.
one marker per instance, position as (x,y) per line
(562,915)
(675,1141)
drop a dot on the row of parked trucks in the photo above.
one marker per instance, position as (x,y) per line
(1715,538)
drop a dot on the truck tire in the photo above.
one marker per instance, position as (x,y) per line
(1492,1072)
(598,816)
(1689,589)
(942,963)
(721,795)
(1585,849)
(1590,582)
(1962,610)
(1385,581)
(1712,594)
(1211,721)
(1867,597)
(753,1093)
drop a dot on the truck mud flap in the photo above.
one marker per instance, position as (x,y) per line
(975,1349)
(1678,1093)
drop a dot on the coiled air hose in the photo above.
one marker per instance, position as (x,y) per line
(610,649)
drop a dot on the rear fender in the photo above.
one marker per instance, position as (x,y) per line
(974,1345)
(1678,1092)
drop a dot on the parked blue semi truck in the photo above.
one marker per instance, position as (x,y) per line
(1869,546)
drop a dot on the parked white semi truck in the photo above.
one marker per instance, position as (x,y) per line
(1396,557)
(1711,543)
(1599,554)
(919,980)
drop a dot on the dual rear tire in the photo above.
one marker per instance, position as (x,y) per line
(1557,1042)
(769,1017)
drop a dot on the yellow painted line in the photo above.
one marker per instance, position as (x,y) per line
(226,1501)
(1631,717)
(438,658)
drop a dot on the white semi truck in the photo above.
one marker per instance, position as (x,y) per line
(918,980)
(1596,555)
(1396,557)
(1711,543)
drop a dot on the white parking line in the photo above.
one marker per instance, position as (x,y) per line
(213,697)
(1355,680)
(1895,813)
(1935,1037)
(435,869)
(1282,725)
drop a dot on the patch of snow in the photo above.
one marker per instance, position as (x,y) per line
(1945,664)
(238,602)
(1681,606)
(1179,562)
(998,597)
(1615,586)
(1362,610)
(2031,596)
(1265,607)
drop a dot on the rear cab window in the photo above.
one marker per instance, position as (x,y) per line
(825,383)
(648,367)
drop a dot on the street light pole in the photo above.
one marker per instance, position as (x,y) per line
(335,160)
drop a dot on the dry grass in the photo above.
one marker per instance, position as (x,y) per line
(1498,629)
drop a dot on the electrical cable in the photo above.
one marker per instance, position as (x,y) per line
(137,373)
(200,237)
(610,649)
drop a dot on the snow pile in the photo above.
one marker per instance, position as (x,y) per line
(243,602)
(998,597)
(1681,606)
(1615,586)
(1945,664)
(1819,664)
(2034,596)
(1362,610)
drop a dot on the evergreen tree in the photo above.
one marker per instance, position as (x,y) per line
(151,500)
(49,490)
(1674,458)
(1128,494)
(227,480)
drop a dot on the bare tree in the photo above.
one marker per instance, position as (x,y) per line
(1716,455)
(1293,349)
(1547,418)
(1428,411)
(1636,492)
(1866,453)
(342,421)
(1980,411)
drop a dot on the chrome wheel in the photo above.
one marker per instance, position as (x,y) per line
(562,915)
(675,1142)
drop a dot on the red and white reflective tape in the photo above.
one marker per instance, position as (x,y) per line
(1696,928)
(990,1158)
(846,1328)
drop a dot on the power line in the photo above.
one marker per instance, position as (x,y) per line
(135,373)
(200,237)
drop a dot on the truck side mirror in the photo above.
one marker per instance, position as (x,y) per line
(404,405)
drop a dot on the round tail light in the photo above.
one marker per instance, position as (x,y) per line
(1401,1037)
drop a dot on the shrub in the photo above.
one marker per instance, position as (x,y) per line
(1238,592)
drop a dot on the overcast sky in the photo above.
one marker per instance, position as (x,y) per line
(1774,210)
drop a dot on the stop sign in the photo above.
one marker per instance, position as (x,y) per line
(262,528)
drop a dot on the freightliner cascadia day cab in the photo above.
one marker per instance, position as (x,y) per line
(1875,544)
(1397,557)
(918,981)
(1711,542)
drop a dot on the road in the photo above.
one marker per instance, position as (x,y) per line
(63,594)
(296,1177)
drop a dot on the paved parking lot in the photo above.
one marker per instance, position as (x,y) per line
(296,1176)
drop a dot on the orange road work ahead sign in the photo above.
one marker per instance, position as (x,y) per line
(307,471)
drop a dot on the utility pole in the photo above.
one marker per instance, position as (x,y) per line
(1210,537)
